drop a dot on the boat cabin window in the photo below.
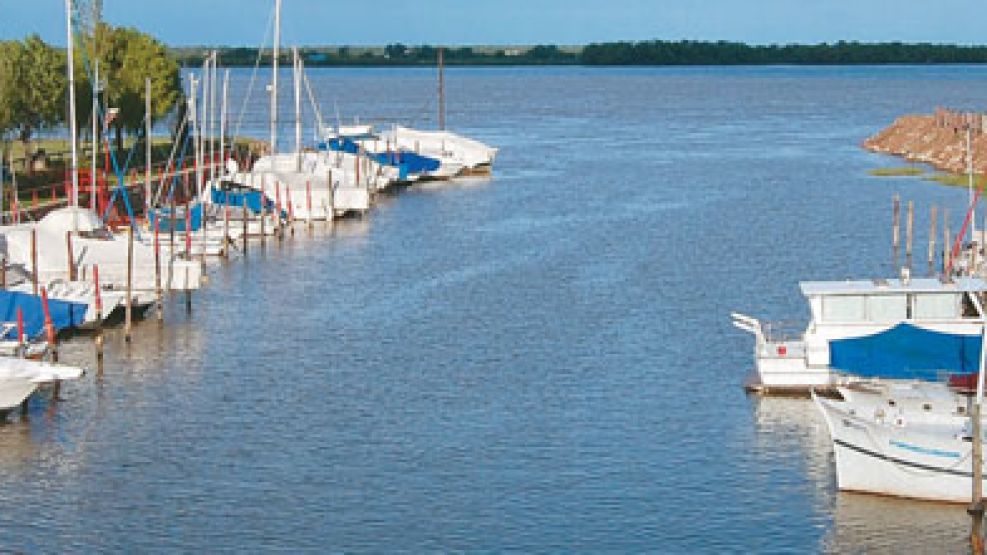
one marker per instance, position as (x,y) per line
(844,308)
(887,308)
(936,306)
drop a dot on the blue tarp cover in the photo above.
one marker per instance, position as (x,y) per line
(165,214)
(235,199)
(406,162)
(906,351)
(64,314)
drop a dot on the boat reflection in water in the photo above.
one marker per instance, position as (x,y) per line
(860,523)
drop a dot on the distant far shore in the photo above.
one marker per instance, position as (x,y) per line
(643,53)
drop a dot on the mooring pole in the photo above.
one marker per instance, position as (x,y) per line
(895,230)
(932,240)
(157,267)
(34,259)
(98,304)
(946,254)
(909,226)
(128,314)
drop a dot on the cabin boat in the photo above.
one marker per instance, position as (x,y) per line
(908,440)
(896,328)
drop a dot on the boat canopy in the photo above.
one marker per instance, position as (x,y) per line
(64,314)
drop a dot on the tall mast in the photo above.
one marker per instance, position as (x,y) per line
(212,119)
(72,123)
(442,90)
(92,161)
(298,108)
(222,118)
(147,147)
(274,78)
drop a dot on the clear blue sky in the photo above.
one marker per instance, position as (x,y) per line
(326,22)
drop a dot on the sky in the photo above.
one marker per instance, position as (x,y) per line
(505,22)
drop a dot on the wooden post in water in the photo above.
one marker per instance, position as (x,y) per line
(50,334)
(99,319)
(932,240)
(128,314)
(263,209)
(157,268)
(3,272)
(71,255)
(895,230)
(246,211)
(34,259)
(976,509)
(946,266)
(308,201)
(277,210)
(226,230)
(909,226)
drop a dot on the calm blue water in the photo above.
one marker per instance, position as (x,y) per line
(538,362)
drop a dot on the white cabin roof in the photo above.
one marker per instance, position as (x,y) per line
(891,286)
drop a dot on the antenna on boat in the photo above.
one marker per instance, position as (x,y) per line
(72,123)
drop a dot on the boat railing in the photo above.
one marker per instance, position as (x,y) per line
(782,331)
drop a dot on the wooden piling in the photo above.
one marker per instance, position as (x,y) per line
(909,226)
(246,211)
(128,314)
(34,259)
(895,230)
(226,230)
(98,305)
(976,509)
(279,230)
(946,254)
(188,230)
(308,201)
(932,240)
(3,272)
(71,255)
(50,335)
(157,268)
(263,210)
(20,329)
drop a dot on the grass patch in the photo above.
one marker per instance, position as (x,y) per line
(910,171)
(957,180)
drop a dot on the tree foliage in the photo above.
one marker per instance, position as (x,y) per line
(127,58)
(35,87)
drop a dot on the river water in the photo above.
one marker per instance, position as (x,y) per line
(541,361)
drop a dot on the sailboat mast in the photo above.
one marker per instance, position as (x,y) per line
(298,108)
(72,123)
(274,78)
(442,90)
(147,147)
(95,118)
(222,118)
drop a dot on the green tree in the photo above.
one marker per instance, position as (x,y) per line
(9,51)
(40,89)
(127,58)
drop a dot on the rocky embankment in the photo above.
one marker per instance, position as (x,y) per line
(938,139)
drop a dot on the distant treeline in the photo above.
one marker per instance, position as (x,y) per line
(390,55)
(614,53)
